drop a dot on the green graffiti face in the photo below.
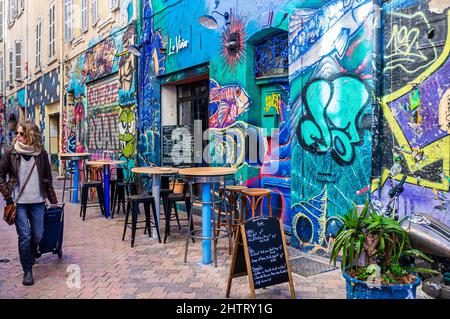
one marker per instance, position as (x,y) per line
(127,129)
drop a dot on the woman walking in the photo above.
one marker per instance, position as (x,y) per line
(27,165)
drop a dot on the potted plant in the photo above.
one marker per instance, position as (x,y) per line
(374,253)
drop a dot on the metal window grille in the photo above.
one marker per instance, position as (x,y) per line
(271,56)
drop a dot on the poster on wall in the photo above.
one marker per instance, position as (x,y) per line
(178,146)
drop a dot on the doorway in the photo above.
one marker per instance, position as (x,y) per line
(54,140)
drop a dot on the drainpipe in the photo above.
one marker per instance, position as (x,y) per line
(62,62)
(377,115)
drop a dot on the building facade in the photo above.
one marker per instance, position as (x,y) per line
(32,61)
(15,64)
(338,99)
(100,78)
(355,92)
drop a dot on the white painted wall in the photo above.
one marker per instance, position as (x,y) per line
(168,105)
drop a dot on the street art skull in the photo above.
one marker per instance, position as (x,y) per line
(127,129)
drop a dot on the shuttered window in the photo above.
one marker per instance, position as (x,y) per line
(52,32)
(38,43)
(84,15)
(94,12)
(20,6)
(113,4)
(1,19)
(11,66)
(68,32)
(11,11)
(1,75)
(18,60)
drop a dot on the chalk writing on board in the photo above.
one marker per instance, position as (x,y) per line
(266,252)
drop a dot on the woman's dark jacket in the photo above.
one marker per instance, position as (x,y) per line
(9,165)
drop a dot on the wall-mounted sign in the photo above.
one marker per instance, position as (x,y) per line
(177,44)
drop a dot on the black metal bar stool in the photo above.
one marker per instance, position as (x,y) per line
(123,189)
(171,200)
(230,217)
(133,202)
(91,184)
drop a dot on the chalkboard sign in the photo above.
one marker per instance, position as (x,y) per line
(260,252)
(178,145)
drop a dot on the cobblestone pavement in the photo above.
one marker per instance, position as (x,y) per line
(110,268)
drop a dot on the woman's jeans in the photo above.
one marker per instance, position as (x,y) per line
(30,228)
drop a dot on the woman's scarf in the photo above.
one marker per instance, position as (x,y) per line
(26,149)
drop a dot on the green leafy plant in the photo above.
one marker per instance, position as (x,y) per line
(374,239)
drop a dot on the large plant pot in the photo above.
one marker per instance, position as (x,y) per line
(358,289)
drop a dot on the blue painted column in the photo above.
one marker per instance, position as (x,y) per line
(156,193)
(76,181)
(106,189)
(206,223)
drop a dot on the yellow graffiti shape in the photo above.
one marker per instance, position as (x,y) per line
(273,101)
(403,46)
(436,151)
(444,112)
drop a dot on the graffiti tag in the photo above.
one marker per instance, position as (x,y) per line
(333,115)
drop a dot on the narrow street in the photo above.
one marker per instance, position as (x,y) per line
(110,268)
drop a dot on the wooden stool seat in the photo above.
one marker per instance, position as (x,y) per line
(253,197)
(256,192)
(234,188)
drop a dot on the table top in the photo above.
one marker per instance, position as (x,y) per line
(154,170)
(207,171)
(105,162)
(74,154)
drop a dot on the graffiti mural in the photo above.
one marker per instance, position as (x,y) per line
(334,116)
(99,113)
(103,116)
(40,93)
(152,64)
(14,104)
(415,140)
(330,53)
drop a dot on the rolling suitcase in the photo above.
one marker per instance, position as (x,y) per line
(52,239)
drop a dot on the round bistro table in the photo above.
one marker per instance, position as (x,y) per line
(106,179)
(156,173)
(75,157)
(206,176)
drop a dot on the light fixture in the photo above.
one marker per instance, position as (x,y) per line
(209,22)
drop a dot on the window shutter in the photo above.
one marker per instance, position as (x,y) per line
(11,65)
(38,44)
(84,15)
(12,10)
(1,74)
(68,20)
(16,8)
(18,60)
(52,32)
(113,4)
(1,19)
(94,12)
